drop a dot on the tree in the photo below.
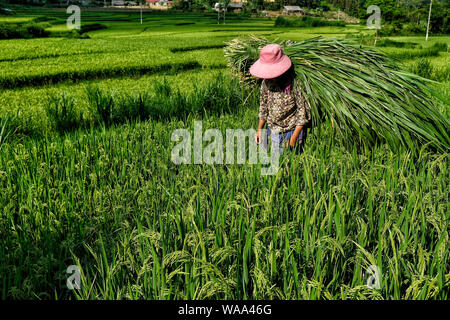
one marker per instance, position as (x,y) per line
(428,23)
(440,16)
(255,4)
(225,4)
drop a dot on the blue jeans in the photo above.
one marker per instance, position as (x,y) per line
(281,138)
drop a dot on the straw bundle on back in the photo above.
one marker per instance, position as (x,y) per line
(361,91)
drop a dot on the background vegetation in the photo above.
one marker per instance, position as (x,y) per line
(86,176)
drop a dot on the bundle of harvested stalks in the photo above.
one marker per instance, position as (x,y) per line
(363,93)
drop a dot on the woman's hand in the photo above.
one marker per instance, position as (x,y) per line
(290,144)
(258,131)
(258,136)
(293,140)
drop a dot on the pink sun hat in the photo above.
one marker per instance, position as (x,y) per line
(272,63)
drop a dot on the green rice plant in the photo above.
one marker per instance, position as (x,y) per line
(92,73)
(360,92)
(92,27)
(442,46)
(442,74)
(29,30)
(93,199)
(5,131)
(192,48)
(412,54)
(397,44)
(134,107)
(110,201)
(44,19)
(75,60)
(36,30)
(101,103)
(162,89)
(223,94)
(432,51)
(423,68)
(62,112)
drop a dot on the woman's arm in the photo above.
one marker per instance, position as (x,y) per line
(261,124)
(291,143)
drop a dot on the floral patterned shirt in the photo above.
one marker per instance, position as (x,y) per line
(283,109)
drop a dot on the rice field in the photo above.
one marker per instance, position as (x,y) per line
(102,193)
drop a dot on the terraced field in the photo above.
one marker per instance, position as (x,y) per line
(101,191)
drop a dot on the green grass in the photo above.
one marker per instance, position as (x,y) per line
(308,232)
(108,198)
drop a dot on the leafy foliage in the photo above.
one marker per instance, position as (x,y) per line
(306,22)
(61,110)
(30,30)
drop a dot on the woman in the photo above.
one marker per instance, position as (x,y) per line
(282,105)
